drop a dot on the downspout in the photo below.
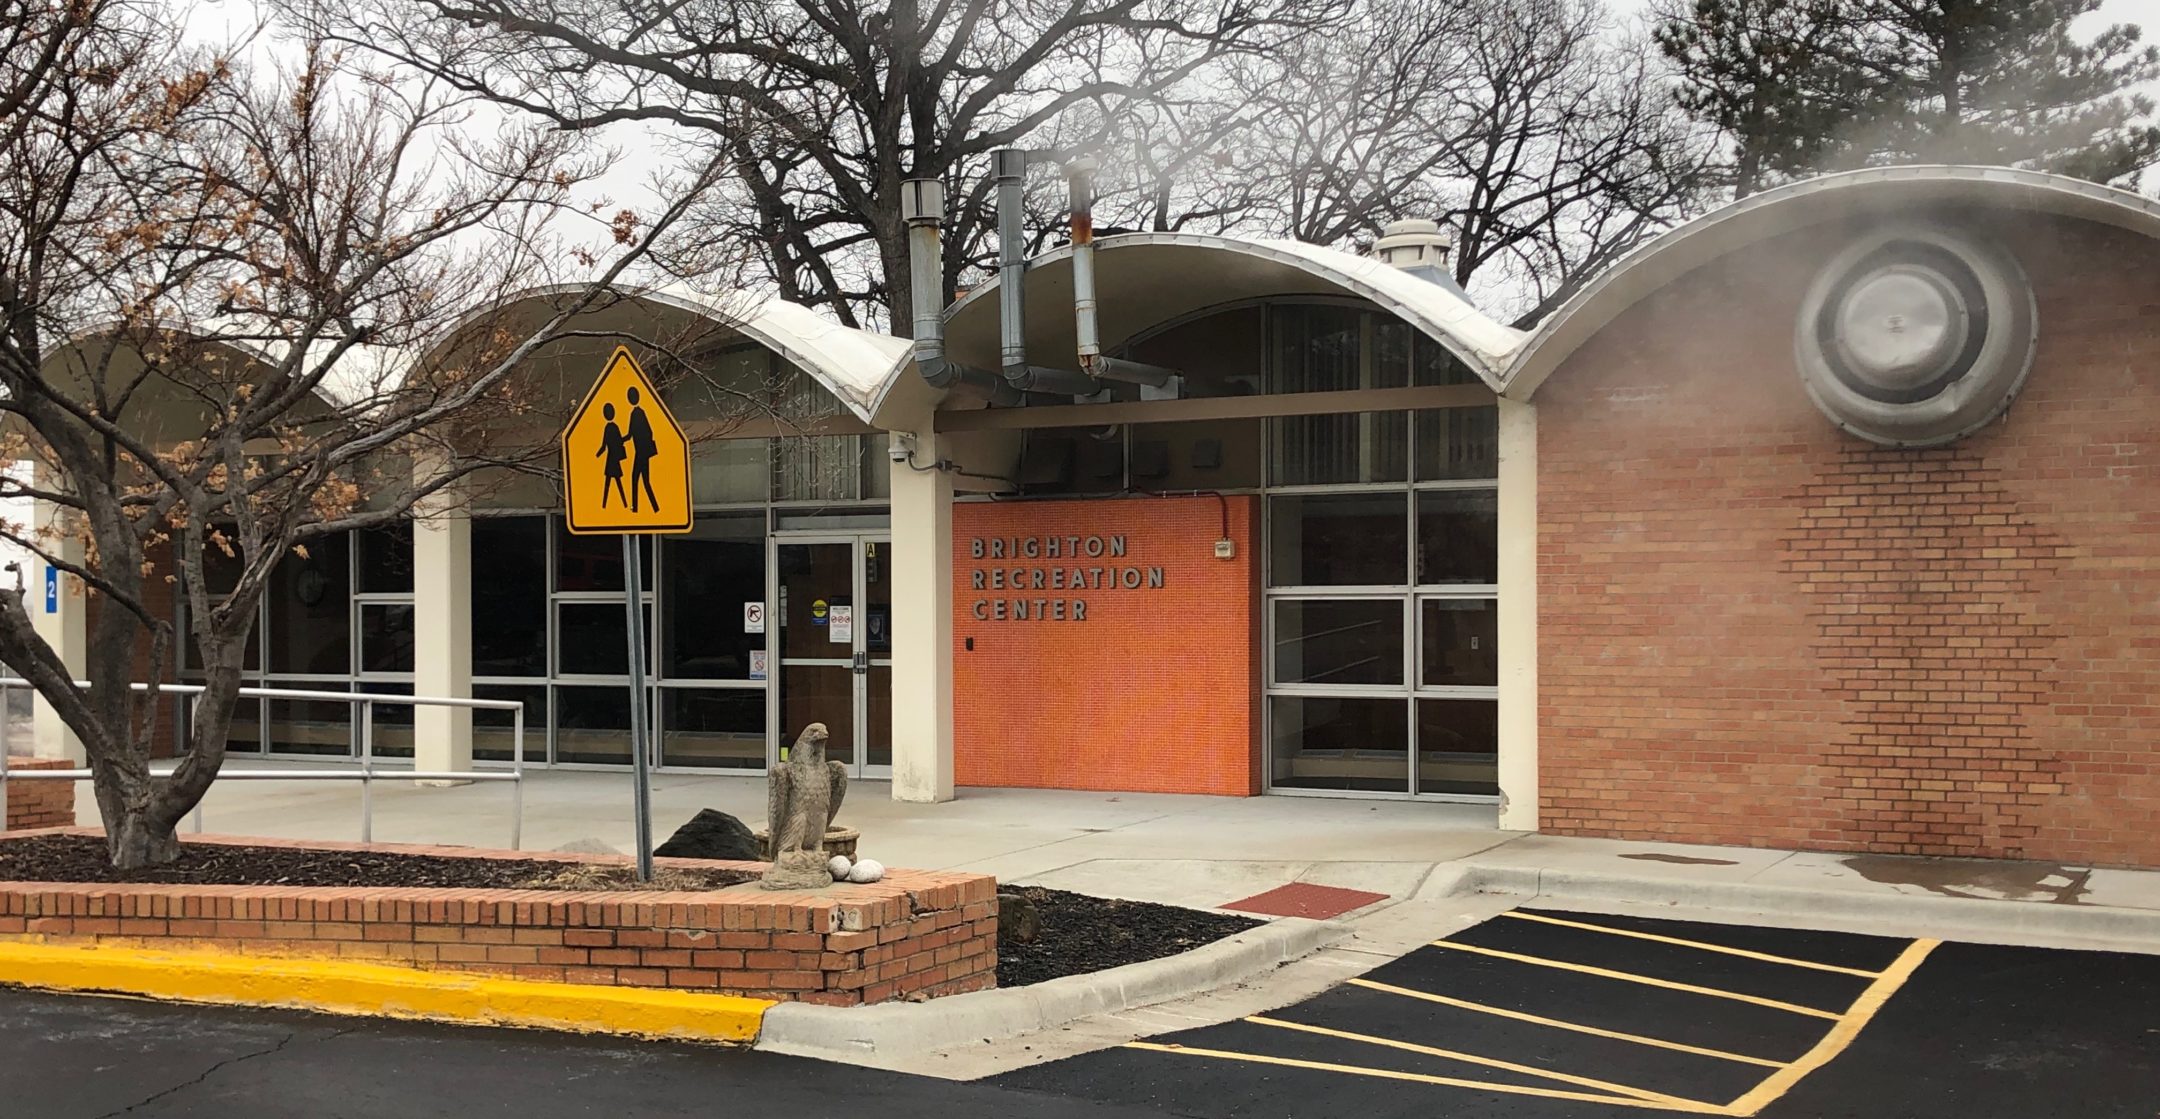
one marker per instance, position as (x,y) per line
(923,207)
(1080,176)
(1008,169)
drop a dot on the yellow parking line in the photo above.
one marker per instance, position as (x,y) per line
(1443,1081)
(1720,948)
(1645,980)
(1488,1062)
(1833,1043)
(1577,1027)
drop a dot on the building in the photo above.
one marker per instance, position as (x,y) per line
(1828,520)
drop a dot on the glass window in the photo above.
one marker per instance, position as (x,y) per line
(1219,354)
(593,638)
(509,596)
(1457,444)
(320,727)
(1317,348)
(713,728)
(1339,742)
(1458,537)
(1199,455)
(731,470)
(592,724)
(386,637)
(1436,365)
(393,722)
(221,572)
(1393,342)
(1338,540)
(311,609)
(1459,746)
(386,559)
(711,573)
(594,563)
(821,467)
(1339,641)
(244,733)
(492,729)
(1345,449)
(1460,639)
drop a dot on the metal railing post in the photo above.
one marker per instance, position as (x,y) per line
(367,770)
(517,777)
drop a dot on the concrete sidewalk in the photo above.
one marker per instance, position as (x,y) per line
(1181,850)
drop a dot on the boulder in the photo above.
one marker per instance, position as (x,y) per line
(711,834)
(866,870)
(1019,922)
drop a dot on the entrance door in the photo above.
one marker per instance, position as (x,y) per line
(835,647)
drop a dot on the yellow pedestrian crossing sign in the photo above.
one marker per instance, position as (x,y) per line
(626,464)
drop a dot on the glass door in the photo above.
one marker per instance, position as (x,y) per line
(835,647)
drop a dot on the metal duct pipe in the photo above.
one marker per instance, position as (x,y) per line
(1008,169)
(922,205)
(1080,177)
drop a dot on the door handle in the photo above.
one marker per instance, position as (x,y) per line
(862,664)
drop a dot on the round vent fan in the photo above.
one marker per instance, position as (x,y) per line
(1916,336)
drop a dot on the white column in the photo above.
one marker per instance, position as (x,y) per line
(442,632)
(922,699)
(61,618)
(1518,531)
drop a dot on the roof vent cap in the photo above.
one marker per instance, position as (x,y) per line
(1414,243)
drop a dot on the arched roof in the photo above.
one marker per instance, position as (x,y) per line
(1800,205)
(1146,279)
(853,365)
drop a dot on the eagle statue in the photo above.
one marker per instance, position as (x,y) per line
(802,795)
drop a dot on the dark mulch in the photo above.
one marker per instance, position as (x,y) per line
(74,858)
(1082,933)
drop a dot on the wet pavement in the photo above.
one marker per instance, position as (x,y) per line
(1540,1015)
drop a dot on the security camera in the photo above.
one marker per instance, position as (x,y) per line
(902,447)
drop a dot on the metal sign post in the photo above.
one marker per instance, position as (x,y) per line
(640,737)
(626,470)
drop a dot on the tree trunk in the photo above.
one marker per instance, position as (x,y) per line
(137,840)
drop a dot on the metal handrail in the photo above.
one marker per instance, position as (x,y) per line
(363,704)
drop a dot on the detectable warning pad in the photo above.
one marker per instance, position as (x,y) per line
(1304,899)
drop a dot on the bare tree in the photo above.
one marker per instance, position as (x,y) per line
(1548,142)
(823,107)
(216,285)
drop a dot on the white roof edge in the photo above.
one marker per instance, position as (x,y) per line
(1482,342)
(332,389)
(1784,209)
(853,365)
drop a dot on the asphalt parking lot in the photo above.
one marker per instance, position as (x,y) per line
(1540,1015)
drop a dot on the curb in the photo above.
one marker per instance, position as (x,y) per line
(379,990)
(1987,915)
(850,1033)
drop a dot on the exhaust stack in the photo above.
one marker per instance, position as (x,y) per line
(922,205)
(1008,168)
(1080,177)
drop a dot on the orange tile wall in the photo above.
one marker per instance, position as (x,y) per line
(1755,629)
(1157,690)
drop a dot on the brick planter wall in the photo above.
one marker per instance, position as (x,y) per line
(916,934)
(39,804)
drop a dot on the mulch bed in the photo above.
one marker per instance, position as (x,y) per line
(76,858)
(1082,933)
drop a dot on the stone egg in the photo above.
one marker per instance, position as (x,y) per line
(840,867)
(866,870)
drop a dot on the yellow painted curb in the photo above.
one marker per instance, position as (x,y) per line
(349,987)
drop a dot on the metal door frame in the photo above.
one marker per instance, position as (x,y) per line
(859,651)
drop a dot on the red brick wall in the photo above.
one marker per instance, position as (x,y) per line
(914,934)
(39,804)
(1155,689)
(1757,630)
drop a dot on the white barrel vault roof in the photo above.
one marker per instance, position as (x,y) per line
(1786,209)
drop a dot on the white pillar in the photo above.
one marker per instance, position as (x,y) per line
(922,655)
(1518,532)
(60,612)
(442,632)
